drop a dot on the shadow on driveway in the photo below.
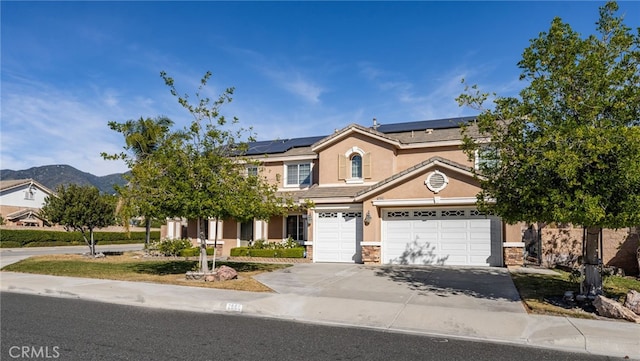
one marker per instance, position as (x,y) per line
(489,283)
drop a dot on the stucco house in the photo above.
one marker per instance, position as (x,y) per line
(393,193)
(21,201)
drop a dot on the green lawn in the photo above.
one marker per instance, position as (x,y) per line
(128,268)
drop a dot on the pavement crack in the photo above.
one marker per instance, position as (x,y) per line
(404,305)
(584,337)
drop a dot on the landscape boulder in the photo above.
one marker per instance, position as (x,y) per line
(226,273)
(633,301)
(223,273)
(607,307)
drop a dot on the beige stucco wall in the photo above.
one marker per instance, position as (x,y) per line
(273,171)
(407,158)
(460,185)
(382,158)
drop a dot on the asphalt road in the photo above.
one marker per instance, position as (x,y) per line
(37,327)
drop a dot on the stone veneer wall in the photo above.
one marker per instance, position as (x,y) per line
(371,254)
(309,250)
(513,256)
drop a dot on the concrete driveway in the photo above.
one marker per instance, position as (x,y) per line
(488,289)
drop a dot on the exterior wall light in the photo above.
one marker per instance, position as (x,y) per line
(367,218)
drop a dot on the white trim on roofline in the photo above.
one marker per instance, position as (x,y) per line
(333,200)
(435,201)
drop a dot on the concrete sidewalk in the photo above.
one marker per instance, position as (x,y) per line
(307,302)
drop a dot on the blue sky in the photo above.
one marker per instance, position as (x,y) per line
(299,68)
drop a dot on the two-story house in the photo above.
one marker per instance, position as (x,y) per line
(21,201)
(394,193)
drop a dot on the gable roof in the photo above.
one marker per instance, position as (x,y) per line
(400,177)
(400,135)
(6,185)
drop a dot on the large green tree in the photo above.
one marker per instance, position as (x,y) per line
(141,196)
(567,149)
(204,171)
(80,208)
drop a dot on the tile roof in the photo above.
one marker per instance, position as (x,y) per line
(333,192)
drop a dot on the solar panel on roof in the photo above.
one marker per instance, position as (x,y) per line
(425,124)
(280,145)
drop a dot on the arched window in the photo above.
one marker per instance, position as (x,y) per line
(356,166)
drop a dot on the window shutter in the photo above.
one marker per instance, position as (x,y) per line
(342,167)
(366,166)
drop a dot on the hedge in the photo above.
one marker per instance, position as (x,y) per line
(20,238)
(194,251)
(268,253)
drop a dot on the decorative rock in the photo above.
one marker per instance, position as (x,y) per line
(226,273)
(211,277)
(633,301)
(196,276)
(609,308)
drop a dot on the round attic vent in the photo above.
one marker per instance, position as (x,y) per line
(436,181)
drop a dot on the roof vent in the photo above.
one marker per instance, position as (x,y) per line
(375,124)
(436,181)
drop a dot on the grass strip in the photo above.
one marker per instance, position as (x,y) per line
(128,268)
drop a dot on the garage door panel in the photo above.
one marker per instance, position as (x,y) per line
(337,234)
(449,237)
(446,247)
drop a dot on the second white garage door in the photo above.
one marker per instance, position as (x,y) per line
(440,237)
(337,236)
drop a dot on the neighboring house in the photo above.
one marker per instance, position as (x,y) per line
(21,201)
(394,193)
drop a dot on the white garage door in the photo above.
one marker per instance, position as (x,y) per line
(440,237)
(337,235)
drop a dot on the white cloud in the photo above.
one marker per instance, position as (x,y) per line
(43,125)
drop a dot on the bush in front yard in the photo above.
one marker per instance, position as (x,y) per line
(194,251)
(268,253)
(240,252)
(169,247)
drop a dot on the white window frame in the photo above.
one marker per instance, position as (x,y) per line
(298,185)
(348,155)
(251,168)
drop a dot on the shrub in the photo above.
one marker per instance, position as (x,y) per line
(43,238)
(262,252)
(194,251)
(10,244)
(291,252)
(268,253)
(240,252)
(170,247)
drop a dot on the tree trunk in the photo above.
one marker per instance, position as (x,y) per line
(204,266)
(215,245)
(147,236)
(89,241)
(592,284)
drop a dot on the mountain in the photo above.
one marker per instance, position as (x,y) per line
(52,176)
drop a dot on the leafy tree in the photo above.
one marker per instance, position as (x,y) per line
(568,148)
(203,168)
(80,208)
(141,196)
